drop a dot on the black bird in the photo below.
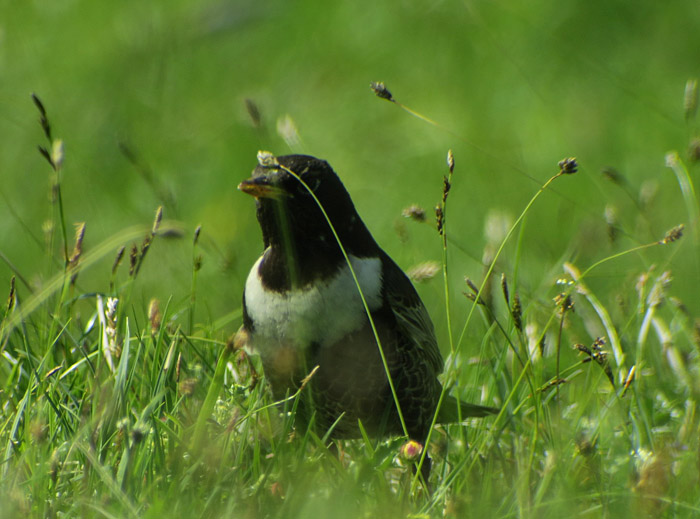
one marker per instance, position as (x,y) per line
(302,309)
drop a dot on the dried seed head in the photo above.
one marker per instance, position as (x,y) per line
(287,129)
(197,265)
(77,250)
(178,367)
(672,159)
(614,176)
(79,235)
(658,290)
(197,230)
(308,378)
(238,341)
(672,235)
(552,384)
(611,221)
(568,166)
(253,112)
(111,312)
(57,153)
(504,288)
(133,259)
(517,313)
(39,104)
(474,294)
(381,91)
(414,212)
(45,153)
(11,299)
(423,271)
(267,159)
(450,161)
(446,185)
(564,302)
(43,120)
(439,219)
(154,315)
(581,348)
(157,220)
(690,99)
(642,282)
(118,259)
(144,249)
(648,192)
(694,149)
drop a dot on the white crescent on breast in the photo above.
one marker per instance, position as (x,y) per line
(321,313)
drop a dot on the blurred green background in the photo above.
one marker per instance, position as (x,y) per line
(515,86)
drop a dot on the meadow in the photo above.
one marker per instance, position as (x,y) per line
(564,283)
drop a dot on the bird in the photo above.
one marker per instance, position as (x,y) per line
(307,303)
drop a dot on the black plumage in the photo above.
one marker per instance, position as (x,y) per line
(300,311)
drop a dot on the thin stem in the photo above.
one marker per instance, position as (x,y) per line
(385,364)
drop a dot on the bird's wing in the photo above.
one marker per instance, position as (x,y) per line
(412,318)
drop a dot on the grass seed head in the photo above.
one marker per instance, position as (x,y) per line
(564,302)
(253,112)
(423,271)
(672,235)
(74,258)
(380,90)
(612,222)
(439,219)
(43,119)
(12,297)
(267,159)
(568,166)
(517,313)
(474,294)
(157,220)
(197,231)
(133,259)
(154,315)
(118,259)
(414,212)
(504,288)
(450,161)
(57,153)
(287,129)
(446,186)
(614,176)
(694,149)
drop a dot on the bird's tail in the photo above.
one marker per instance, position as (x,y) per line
(451,410)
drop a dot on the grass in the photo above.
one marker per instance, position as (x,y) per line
(122,392)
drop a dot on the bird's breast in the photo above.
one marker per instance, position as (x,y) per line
(321,313)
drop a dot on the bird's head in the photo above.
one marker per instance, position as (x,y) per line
(290,191)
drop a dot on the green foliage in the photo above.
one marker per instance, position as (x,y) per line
(121,388)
